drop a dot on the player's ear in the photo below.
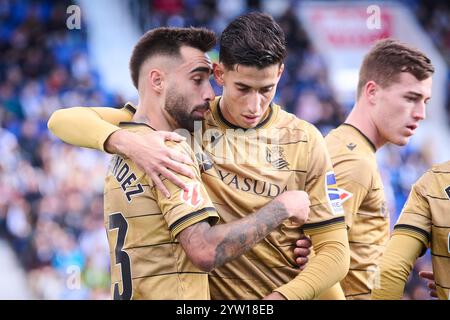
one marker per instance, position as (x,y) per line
(218,71)
(370,91)
(280,71)
(156,80)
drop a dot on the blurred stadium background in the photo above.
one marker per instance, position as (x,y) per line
(52,241)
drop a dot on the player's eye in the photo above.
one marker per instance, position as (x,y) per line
(266,90)
(242,89)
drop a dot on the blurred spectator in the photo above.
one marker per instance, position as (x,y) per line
(51,205)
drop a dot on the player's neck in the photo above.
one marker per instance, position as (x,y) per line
(224,111)
(150,113)
(360,118)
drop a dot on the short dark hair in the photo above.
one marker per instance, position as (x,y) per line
(168,41)
(254,39)
(387,59)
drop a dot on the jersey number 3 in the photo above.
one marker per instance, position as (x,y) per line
(117,221)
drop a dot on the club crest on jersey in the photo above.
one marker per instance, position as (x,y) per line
(333,193)
(204,161)
(192,195)
(275,156)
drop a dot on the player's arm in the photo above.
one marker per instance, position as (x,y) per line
(209,247)
(396,264)
(326,227)
(354,185)
(88,127)
(329,266)
(97,128)
(410,238)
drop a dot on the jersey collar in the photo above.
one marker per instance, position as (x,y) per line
(370,143)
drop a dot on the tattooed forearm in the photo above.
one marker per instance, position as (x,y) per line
(210,247)
(242,235)
(195,243)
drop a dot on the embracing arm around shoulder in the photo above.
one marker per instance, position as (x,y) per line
(97,128)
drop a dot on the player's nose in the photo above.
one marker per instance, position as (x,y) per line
(254,103)
(419,112)
(208,93)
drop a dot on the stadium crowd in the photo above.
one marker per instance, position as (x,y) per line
(51,203)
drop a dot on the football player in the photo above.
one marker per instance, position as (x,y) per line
(393,90)
(424,223)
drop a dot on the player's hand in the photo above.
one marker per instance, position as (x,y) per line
(428,275)
(150,154)
(296,204)
(302,251)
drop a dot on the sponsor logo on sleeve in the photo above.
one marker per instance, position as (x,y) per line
(333,194)
(192,195)
(344,195)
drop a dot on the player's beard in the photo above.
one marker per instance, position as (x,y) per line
(177,107)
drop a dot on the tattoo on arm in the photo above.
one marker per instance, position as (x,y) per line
(240,236)
(224,242)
